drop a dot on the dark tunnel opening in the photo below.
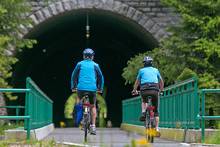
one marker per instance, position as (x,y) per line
(61,41)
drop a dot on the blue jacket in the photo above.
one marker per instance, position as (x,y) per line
(149,75)
(87,76)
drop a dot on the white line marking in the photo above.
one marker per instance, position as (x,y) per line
(185,144)
(76,144)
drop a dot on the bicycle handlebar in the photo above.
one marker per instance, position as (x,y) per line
(98,91)
(137,92)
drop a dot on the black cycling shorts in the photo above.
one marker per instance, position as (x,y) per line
(153,91)
(91,94)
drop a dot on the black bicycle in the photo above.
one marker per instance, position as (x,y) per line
(150,121)
(86,121)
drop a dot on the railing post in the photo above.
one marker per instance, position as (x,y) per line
(17,113)
(202,117)
(197,101)
(27,111)
(28,129)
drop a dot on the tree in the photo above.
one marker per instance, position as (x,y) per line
(194,43)
(11,19)
(193,48)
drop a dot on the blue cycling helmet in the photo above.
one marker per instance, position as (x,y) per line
(148,60)
(88,52)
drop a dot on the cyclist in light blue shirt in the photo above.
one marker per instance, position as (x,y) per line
(151,83)
(87,78)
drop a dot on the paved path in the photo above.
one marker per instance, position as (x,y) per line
(105,137)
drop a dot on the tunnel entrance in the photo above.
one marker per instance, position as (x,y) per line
(61,40)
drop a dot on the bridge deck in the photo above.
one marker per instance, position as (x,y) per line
(105,137)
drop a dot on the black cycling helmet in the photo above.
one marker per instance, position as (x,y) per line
(148,60)
(88,52)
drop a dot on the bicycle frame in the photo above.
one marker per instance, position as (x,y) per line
(150,121)
(86,116)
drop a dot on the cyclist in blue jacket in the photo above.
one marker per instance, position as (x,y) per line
(87,78)
(151,83)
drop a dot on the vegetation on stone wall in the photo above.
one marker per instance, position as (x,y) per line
(11,18)
(192,49)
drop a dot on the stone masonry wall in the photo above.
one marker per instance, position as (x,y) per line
(2,103)
(154,9)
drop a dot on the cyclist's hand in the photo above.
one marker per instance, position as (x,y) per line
(134,92)
(74,90)
(161,92)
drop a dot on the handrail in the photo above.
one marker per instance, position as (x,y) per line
(39,106)
(38,89)
(14,90)
(203,117)
(178,105)
(14,117)
(180,83)
(26,117)
(13,107)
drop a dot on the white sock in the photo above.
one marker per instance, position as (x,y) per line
(157,129)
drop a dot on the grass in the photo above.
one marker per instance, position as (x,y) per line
(215,138)
(32,143)
(7,126)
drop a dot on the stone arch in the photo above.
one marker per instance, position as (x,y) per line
(61,6)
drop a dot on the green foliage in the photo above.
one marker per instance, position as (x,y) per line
(31,143)
(134,64)
(69,108)
(193,48)
(195,41)
(215,138)
(186,74)
(12,17)
(7,126)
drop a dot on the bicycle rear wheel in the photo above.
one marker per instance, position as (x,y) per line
(153,130)
(85,127)
(151,139)
(150,128)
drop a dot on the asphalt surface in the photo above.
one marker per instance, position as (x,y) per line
(106,137)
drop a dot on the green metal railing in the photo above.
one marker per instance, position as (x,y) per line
(203,117)
(38,107)
(26,117)
(179,106)
(17,109)
(131,110)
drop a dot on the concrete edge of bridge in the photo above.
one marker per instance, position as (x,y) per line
(36,134)
(43,132)
(179,135)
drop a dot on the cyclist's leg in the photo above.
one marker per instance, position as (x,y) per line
(143,105)
(92,99)
(156,102)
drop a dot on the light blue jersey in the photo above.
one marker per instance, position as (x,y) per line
(87,76)
(149,75)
